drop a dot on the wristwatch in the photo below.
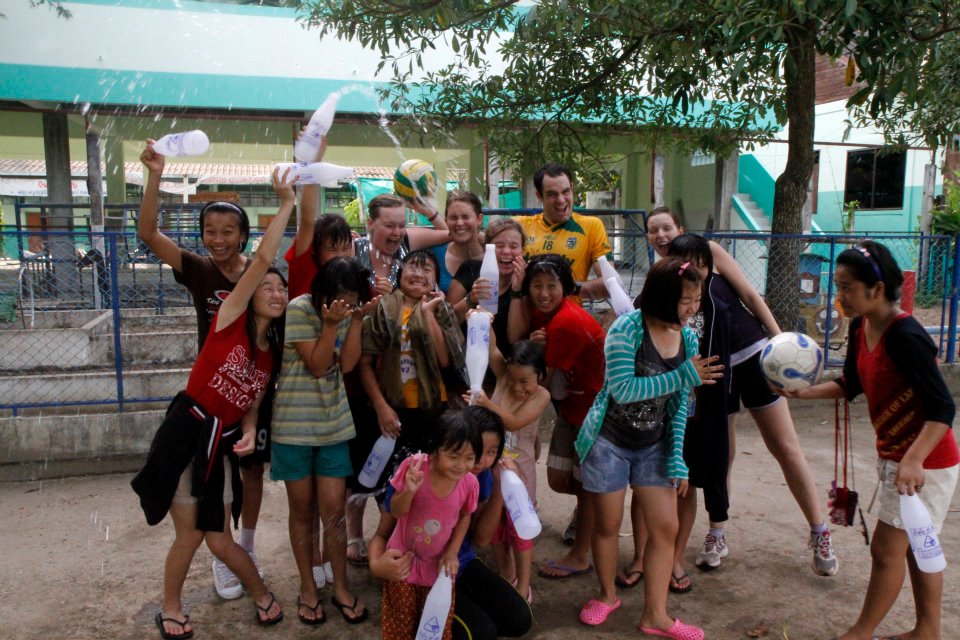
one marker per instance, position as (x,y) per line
(516,294)
(577,287)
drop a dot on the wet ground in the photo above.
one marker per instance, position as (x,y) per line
(78,561)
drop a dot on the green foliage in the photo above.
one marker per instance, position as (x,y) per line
(848,214)
(946,218)
(351,211)
(694,73)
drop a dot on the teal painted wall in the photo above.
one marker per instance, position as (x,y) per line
(755,180)
(904,220)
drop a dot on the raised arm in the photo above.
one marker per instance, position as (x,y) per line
(309,197)
(164,248)
(236,302)
(726,266)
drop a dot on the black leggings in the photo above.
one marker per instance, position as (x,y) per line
(487,606)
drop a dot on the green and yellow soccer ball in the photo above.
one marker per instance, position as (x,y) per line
(415,179)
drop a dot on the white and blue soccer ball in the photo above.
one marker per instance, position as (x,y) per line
(792,361)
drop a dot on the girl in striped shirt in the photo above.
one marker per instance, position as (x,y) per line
(633,435)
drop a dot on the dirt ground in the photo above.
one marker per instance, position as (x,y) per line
(78,561)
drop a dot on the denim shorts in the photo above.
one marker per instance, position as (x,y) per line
(291,462)
(610,468)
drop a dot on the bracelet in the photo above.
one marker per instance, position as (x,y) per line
(517,295)
(434,217)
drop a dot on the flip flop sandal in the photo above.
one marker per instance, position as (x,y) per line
(677,631)
(266,622)
(676,580)
(595,612)
(626,582)
(565,571)
(352,608)
(361,559)
(316,609)
(183,635)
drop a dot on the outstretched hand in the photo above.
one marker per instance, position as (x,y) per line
(153,161)
(366,308)
(431,301)
(336,312)
(708,372)
(283,185)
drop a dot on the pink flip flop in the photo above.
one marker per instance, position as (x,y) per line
(595,612)
(677,631)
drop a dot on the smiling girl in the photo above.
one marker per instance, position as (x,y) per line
(893,362)
(749,331)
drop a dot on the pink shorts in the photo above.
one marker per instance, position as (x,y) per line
(507,534)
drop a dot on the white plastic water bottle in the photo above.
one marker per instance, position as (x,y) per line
(188,143)
(608,271)
(376,461)
(306,147)
(478,350)
(519,506)
(321,173)
(619,300)
(490,272)
(923,537)
(436,609)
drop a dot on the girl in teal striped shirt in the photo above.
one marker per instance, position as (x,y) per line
(633,435)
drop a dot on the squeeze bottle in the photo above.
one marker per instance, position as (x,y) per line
(306,147)
(188,143)
(478,350)
(321,173)
(490,272)
(436,609)
(923,538)
(376,461)
(519,506)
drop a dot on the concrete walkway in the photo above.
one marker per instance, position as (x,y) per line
(78,561)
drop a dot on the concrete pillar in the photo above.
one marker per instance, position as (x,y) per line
(725,186)
(61,248)
(115,176)
(477,170)
(96,258)
(659,181)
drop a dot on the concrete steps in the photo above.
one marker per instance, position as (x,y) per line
(758,214)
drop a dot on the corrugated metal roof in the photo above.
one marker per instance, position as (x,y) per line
(210,173)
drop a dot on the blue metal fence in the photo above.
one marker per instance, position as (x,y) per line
(106,325)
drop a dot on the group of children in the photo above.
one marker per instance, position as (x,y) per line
(368,345)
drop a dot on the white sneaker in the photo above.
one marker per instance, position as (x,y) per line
(714,550)
(226,583)
(319,576)
(825,561)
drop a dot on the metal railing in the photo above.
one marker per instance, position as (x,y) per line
(105,324)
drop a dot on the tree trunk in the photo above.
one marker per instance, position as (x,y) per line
(783,282)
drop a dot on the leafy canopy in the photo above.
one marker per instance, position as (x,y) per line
(694,73)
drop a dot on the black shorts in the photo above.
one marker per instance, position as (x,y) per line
(749,387)
(261,446)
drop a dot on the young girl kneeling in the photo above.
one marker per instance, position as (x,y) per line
(893,362)
(633,435)
(435,495)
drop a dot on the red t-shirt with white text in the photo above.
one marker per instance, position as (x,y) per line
(222,380)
